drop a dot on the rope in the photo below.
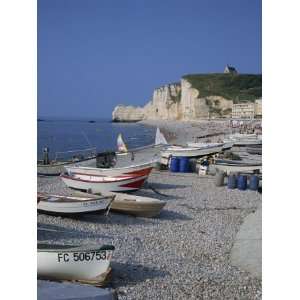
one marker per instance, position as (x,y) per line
(155,191)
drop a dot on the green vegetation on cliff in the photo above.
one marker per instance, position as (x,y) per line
(241,87)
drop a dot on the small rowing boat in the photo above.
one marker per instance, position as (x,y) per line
(137,205)
(104,184)
(137,170)
(192,151)
(56,167)
(69,262)
(210,147)
(254,149)
(72,205)
(236,166)
(244,139)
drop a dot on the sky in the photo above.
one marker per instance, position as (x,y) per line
(96,54)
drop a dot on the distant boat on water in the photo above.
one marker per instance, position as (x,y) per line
(92,121)
(41,120)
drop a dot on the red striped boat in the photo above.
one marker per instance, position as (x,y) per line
(135,170)
(103,184)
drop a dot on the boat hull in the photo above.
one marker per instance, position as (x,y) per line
(81,265)
(55,205)
(58,168)
(137,205)
(247,143)
(191,151)
(90,183)
(244,139)
(137,170)
(237,168)
(254,150)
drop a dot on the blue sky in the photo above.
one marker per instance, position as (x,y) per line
(95,54)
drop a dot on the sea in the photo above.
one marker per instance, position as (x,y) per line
(61,135)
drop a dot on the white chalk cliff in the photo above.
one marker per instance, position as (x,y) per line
(176,101)
(124,113)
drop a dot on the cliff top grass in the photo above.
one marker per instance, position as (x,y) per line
(239,87)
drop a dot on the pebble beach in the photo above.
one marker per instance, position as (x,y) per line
(184,253)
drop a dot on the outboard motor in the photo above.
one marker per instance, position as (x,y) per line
(106,159)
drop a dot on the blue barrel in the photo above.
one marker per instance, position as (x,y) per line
(184,165)
(254,183)
(174,166)
(242,182)
(231,184)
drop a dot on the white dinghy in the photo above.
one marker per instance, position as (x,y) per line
(67,262)
(236,166)
(240,139)
(56,166)
(104,184)
(191,151)
(211,147)
(72,205)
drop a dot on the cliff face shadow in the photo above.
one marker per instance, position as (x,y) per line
(128,273)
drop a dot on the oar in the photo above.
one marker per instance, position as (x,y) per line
(110,204)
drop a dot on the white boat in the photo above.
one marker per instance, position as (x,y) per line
(239,139)
(68,262)
(72,205)
(104,184)
(244,136)
(236,166)
(138,170)
(137,205)
(218,146)
(227,144)
(254,149)
(191,151)
(56,166)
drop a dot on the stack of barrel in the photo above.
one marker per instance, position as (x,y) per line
(239,181)
(179,164)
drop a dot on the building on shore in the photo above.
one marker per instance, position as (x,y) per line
(230,70)
(258,108)
(247,110)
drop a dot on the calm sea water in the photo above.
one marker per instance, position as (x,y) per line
(65,135)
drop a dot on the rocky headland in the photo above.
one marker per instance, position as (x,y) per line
(195,97)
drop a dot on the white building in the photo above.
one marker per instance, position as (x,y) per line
(243,110)
(230,70)
(247,110)
(258,108)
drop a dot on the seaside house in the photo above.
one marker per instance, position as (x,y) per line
(230,70)
(258,108)
(244,110)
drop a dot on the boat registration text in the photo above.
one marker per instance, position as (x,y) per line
(83,256)
(92,203)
